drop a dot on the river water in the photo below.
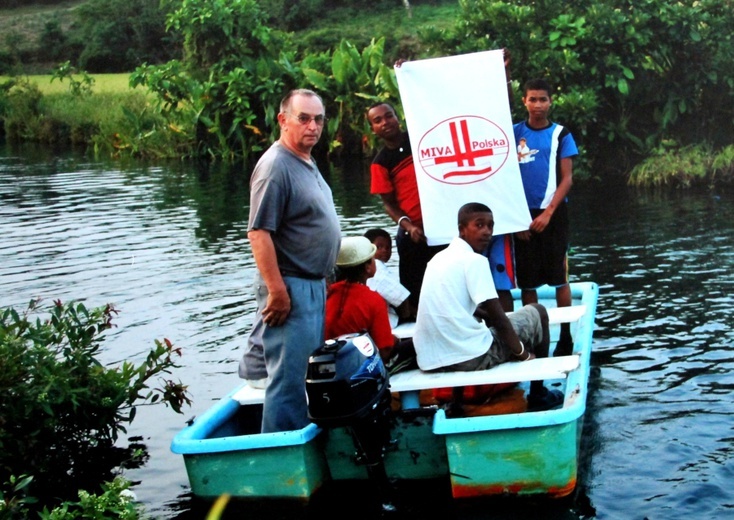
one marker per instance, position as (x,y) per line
(166,244)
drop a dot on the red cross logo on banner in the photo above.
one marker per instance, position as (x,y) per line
(463,150)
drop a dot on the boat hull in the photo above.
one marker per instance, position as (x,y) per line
(224,454)
(541,460)
(516,453)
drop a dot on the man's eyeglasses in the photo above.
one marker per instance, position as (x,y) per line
(305,119)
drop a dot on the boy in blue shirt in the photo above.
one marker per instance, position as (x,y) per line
(541,252)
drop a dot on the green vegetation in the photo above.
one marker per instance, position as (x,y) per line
(101,83)
(61,410)
(630,77)
(96,35)
(26,26)
(671,165)
(75,117)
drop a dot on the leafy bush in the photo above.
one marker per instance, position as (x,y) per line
(684,166)
(11,4)
(115,501)
(52,41)
(227,89)
(723,164)
(292,15)
(351,81)
(61,410)
(641,72)
(119,35)
(20,108)
(670,165)
(81,85)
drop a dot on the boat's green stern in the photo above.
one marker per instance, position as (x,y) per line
(534,460)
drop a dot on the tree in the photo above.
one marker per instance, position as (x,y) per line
(228,86)
(629,74)
(119,35)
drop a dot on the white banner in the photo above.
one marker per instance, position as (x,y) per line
(458,117)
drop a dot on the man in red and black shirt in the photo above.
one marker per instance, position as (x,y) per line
(393,178)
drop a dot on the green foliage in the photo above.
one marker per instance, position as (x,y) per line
(723,164)
(115,501)
(112,123)
(684,166)
(227,90)
(61,410)
(20,108)
(12,4)
(52,41)
(77,87)
(356,81)
(14,500)
(673,166)
(224,33)
(628,76)
(292,15)
(118,35)
(225,94)
(640,72)
(140,131)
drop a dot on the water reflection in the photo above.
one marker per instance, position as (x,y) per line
(167,244)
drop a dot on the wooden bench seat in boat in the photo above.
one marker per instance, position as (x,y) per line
(555,315)
(417,380)
(411,382)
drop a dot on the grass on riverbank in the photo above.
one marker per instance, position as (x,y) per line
(671,165)
(103,83)
(113,120)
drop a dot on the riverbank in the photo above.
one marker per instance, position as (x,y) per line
(100,114)
(102,83)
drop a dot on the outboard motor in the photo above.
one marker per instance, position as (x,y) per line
(347,385)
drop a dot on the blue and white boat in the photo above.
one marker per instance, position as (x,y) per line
(482,455)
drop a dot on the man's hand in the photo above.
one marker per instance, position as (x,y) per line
(540,222)
(277,309)
(416,233)
(278,305)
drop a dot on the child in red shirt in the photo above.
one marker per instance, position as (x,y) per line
(351,306)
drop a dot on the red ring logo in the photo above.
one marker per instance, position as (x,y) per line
(463,150)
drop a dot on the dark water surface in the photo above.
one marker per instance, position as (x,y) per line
(167,245)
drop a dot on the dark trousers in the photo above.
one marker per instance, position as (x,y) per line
(413,258)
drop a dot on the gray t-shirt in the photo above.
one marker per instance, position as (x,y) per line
(290,198)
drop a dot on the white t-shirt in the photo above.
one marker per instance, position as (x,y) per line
(388,286)
(456,281)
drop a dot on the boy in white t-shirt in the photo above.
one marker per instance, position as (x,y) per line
(386,283)
(461,325)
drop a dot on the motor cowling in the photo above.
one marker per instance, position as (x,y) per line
(346,381)
(347,386)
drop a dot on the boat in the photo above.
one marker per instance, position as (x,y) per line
(514,453)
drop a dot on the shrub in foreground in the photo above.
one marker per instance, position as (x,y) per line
(61,410)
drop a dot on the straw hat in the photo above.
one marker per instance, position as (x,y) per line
(355,251)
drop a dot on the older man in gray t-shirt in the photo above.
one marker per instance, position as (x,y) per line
(295,235)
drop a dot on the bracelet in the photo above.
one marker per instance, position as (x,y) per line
(522,351)
(404,217)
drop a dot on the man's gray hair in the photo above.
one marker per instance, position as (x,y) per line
(285,104)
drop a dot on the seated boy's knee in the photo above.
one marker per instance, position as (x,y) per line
(542,311)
